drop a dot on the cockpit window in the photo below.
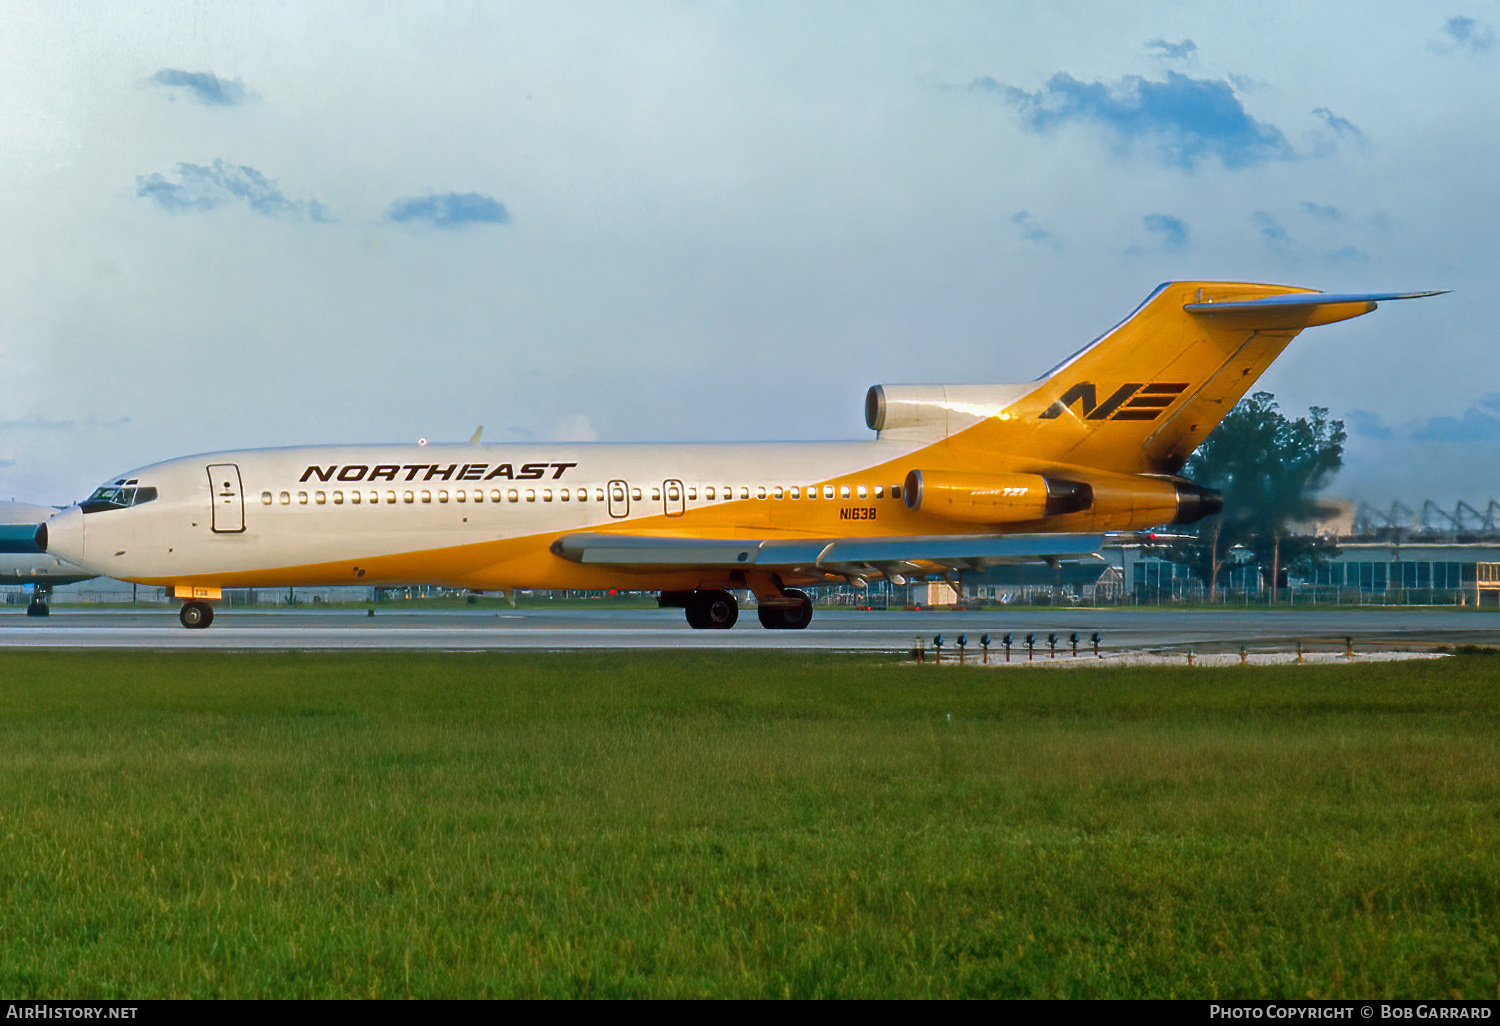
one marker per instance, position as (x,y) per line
(117,497)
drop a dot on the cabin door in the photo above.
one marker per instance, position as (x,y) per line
(229,498)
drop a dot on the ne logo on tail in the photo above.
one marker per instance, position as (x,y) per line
(1131,401)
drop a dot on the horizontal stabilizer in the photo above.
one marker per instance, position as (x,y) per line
(1296,309)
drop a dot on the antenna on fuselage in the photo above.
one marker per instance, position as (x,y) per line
(477,432)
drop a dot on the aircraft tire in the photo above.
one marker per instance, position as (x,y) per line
(38,609)
(712,610)
(787,618)
(196,615)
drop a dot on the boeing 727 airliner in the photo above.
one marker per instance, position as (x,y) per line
(958,477)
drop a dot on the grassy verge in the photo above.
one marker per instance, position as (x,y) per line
(746,824)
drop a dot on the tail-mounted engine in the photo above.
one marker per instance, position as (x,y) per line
(1115,502)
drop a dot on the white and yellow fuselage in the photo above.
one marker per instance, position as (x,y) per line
(957,477)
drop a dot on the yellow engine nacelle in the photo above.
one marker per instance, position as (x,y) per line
(1103,502)
(993,498)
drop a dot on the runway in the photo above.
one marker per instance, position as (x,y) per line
(831,631)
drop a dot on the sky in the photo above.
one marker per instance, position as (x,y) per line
(259,224)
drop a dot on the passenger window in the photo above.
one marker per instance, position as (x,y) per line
(744,491)
(583,495)
(512,496)
(321,498)
(302,498)
(796,492)
(655,494)
(760,493)
(828,491)
(862,492)
(390,497)
(408,497)
(546,494)
(598,494)
(479,495)
(708,493)
(778,493)
(564,494)
(265,497)
(495,495)
(879,491)
(286,498)
(355,498)
(426,495)
(461,495)
(728,493)
(531,495)
(693,494)
(443,495)
(338,498)
(895,491)
(635,494)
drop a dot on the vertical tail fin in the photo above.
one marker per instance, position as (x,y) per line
(1142,397)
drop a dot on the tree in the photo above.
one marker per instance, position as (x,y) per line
(1269,470)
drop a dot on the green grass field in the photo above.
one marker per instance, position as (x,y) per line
(743,824)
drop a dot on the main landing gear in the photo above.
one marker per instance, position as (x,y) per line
(196,615)
(706,610)
(792,611)
(789,610)
(38,604)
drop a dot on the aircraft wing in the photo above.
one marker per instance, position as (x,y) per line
(895,556)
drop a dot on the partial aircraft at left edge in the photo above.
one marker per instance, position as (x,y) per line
(22,561)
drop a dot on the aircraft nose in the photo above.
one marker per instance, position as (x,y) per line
(62,535)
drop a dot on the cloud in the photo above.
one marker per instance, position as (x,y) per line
(200,188)
(1322,212)
(1031,231)
(575,427)
(39,424)
(1172,232)
(449,210)
(1370,425)
(1270,229)
(205,87)
(1186,51)
(1350,253)
(1469,34)
(1181,121)
(1474,425)
(1336,131)
(36,424)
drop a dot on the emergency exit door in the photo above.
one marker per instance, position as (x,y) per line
(229,498)
(619,499)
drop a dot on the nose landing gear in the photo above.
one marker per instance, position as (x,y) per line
(196,615)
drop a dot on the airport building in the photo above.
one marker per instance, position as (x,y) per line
(1385,557)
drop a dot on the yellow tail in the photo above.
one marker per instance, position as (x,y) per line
(1142,397)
